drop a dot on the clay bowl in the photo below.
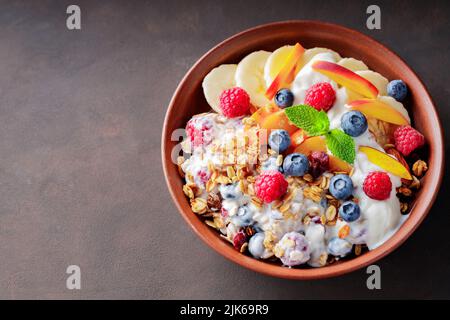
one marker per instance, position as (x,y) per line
(188,100)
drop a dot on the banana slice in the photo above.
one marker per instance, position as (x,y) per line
(396,105)
(376,79)
(275,62)
(353,64)
(250,77)
(310,53)
(216,81)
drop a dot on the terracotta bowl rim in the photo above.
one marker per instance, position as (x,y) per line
(434,176)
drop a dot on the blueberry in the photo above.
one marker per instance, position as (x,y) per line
(229,192)
(284,98)
(279,140)
(341,186)
(256,245)
(354,123)
(397,89)
(295,164)
(243,217)
(339,247)
(349,211)
(271,164)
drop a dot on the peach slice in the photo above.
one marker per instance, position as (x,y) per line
(386,162)
(298,137)
(379,110)
(346,78)
(260,114)
(318,144)
(278,120)
(286,74)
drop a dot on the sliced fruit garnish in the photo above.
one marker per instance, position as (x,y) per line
(376,79)
(318,144)
(353,64)
(309,54)
(386,162)
(259,115)
(379,110)
(250,77)
(298,137)
(216,81)
(287,72)
(278,120)
(346,78)
(275,63)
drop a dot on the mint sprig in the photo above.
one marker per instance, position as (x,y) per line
(341,145)
(316,123)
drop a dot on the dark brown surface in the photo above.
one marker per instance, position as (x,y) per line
(80,174)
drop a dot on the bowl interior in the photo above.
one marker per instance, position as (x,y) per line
(188,100)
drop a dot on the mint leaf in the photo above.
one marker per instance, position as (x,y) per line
(341,145)
(315,123)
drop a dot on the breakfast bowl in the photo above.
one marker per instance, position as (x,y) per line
(189,100)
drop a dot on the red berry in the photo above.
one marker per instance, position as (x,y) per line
(197,129)
(408,139)
(319,163)
(234,102)
(377,185)
(203,176)
(270,185)
(239,239)
(321,96)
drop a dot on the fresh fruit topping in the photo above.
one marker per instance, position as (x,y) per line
(295,164)
(379,110)
(376,79)
(287,72)
(256,245)
(386,162)
(234,102)
(349,211)
(298,137)
(270,185)
(278,120)
(197,130)
(309,54)
(408,139)
(319,163)
(339,247)
(321,96)
(243,217)
(275,63)
(312,144)
(377,185)
(250,76)
(346,78)
(239,240)
(216,81)
(353,64)
(203,176)
(341,186)
(259,115)
(354,123)
(316,123)
(284,98)
(397,89)
(279,140)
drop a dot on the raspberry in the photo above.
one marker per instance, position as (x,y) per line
(377,185)
(234,102)
(198,131)
(239,239)
(321,96)
(408,139)
(203,176)
(319,163)
(270,185)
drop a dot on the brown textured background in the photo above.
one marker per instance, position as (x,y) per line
(81,181)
